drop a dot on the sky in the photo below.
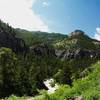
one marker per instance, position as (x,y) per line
(61,16)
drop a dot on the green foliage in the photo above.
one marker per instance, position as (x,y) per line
(13,77)
(66,44)
(87,87)
(7,29)
(16,98)
(24,75)
(37,37)
(80,41)
(10,71)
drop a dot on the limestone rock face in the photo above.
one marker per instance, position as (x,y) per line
(42,50)
(76,54)
(77,33)
(11,41)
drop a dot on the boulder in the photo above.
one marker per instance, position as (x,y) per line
(78,98)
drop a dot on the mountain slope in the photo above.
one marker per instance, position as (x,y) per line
(36,37)
(78,44)
(78,39)
(87,88)
(9,39)
(61,57)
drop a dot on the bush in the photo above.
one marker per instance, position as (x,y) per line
(87,87)
(16,98)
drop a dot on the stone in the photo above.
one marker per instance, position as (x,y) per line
(78,98)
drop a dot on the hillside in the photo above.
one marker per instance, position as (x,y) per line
(78,39)
(27,59)
(37,37)
(9,39)
(87,88)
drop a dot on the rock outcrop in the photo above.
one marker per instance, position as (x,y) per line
(9,40)
(84,47)
(42,50)
(76,54)
(77,33)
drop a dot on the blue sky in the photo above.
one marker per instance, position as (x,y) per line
(67,15)
(62,16)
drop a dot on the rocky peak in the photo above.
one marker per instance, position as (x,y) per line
(76,33)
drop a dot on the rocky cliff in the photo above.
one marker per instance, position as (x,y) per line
(42,50)
(8,39)
(76,45)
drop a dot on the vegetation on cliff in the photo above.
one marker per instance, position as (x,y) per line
(27,59)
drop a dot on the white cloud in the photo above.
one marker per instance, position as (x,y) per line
(97,34)
(45,4)
(19,14)
(98,30)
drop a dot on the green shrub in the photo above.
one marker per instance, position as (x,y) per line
(16,98)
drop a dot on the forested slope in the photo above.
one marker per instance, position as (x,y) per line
(27,59)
